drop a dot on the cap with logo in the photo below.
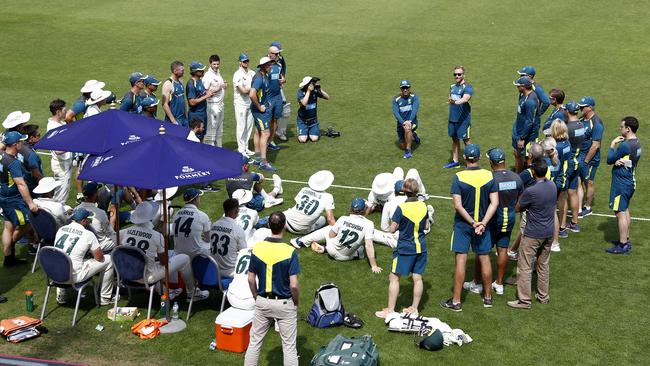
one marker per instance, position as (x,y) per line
(472,152)
(277,45)
(496,155)
(243,57)
(527,70)
(13,137)
(151,80)
(523,81)
(197,66)
(191,193)
(358,204)
(81,213)
(136,76)
(572,107)
(149,101)
(405,84)
(587,101)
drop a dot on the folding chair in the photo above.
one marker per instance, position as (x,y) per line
(58,269)
(207,276)
(130,264)
(44,224)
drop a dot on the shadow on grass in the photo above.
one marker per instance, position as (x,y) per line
(609,228)
(275,356)
(12,276)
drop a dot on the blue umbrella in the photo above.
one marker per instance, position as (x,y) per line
(105,131)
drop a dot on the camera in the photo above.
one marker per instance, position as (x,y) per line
(331,132)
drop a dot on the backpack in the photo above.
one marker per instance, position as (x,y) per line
(355,351)
(327,310)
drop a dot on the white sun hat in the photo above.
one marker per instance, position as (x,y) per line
(16,118)
(171,191)
(321,180)
(383,184)
(242,196)
(92,85)
(144,212)
(97,96)
(46,184)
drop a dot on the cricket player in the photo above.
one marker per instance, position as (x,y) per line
(227,238)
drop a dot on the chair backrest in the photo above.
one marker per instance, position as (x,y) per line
(129,262)
(206,271)
(44,225)
(56,264)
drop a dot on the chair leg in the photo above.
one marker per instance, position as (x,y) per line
(47,294)
(189,309)
(150,299)
(223,300)
(96,290)
(38,249)
(76,307)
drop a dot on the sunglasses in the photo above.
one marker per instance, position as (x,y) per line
(405,87)
(458,74)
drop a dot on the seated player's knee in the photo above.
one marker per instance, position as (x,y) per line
(314,138)
(302,139)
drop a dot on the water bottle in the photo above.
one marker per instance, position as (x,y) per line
(29,301)
(175,311)
(163,305)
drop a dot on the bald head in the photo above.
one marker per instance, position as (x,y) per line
(535,151)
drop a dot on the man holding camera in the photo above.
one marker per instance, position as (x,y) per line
(307,120)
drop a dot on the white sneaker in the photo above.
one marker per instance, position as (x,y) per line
(277,183)
(430,213)
(473,287)
(513,256)
(270,202)
(249,153)
(174,292)
(497,288)
(200,295)
(555,247)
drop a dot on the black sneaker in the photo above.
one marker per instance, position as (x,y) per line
(208,188)
(31,250)
(11,261)
(451,305)
(487,302)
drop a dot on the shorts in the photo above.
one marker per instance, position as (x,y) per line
(459,130)
(620,197)
(572,179)
(588,171)
(500,239)
(277,108)
(308,129)
(527,142)
(464,237)
(16,212)
(256,203)
(400,130)
(405,264)
(262,120)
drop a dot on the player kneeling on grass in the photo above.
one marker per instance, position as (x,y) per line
(410,256)
(344,240)
(307,120)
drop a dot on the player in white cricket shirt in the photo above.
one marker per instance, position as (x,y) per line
(227,238)
(311,201)
(247,217)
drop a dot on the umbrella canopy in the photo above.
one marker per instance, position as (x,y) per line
(105,131)
(162,161)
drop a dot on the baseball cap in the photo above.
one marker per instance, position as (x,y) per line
(433,342)
(191,193)
(149,101)
(358,204)
(91,85)
(16,118)
(81,213)
(196,66)
(496,155)
(243,57)
(90,188)
(527,70)
(136,76)
(13,137)
(523,81)
(405,84)
(572,107)
(264,60)
(151,80)
(398,186)
(587,101)
(472,152)
(276,44)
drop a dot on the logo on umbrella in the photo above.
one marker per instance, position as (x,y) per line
(187,169)
(189,173)
(132,138)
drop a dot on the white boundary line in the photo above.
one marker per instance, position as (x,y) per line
(443,197)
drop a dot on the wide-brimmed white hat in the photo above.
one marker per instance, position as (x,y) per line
(15,118)
(242,196)
(97,96)
(170,192)
(321,180)
(383,184)
(92,85)
(306,80)
(46,184)
(264,60)
(143,212)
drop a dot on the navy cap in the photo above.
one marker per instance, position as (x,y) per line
(472,152)
(358,204)
(191,193)
(276,44)
(243,57)
(13,137)
(587,101)
(405,84)
(523,81)
(149,101)
(136,76)
(196,66)
(81,213)
(572,107)
(527,70)
(90,188)
(496,155)
(151,80)
(398,186)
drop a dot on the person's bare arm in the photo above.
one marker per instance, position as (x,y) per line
(98,255)
(252,284)
(293,285)
(329,216)
(393,227)
(458,206)
(370,253)
(167,91)
(24,192)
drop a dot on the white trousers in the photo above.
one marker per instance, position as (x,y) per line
(90,268)
(244,119)
(62,171)
(214,127)
(398,174)
(176,263)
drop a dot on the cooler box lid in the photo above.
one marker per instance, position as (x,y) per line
(235,318)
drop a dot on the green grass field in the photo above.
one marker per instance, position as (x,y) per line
(361,50)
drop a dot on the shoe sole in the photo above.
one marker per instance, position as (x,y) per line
(487,305)
(452,309)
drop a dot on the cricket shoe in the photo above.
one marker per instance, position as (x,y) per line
(277,183)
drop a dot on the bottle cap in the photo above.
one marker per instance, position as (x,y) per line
(163,297)
(28,292)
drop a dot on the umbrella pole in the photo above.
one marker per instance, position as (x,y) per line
(166,240)
(116,203)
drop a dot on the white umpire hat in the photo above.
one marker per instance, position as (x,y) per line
(383,184)
(46,184)
(321,180)
(242,196)
(16,118)
(144,212)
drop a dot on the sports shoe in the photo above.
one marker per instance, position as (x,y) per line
(516,304)
(416,138)
(430,213)
(31,250)
(174,292)
(586,211)
(574,227)
(555,247)
(210,189)
(268,167)
(199,295)
(487,302)
(408,154)
(277,183)
(270,202)
(513,256)
(11,261)
(105,301)
(470,286)
(281,136)
(297,243)
(497,288)
(80,197)
(453,164)
(273,146)
(620,249)
(563,233)
(249,153)
(451,305)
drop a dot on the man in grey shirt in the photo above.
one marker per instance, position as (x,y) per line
(539,202)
